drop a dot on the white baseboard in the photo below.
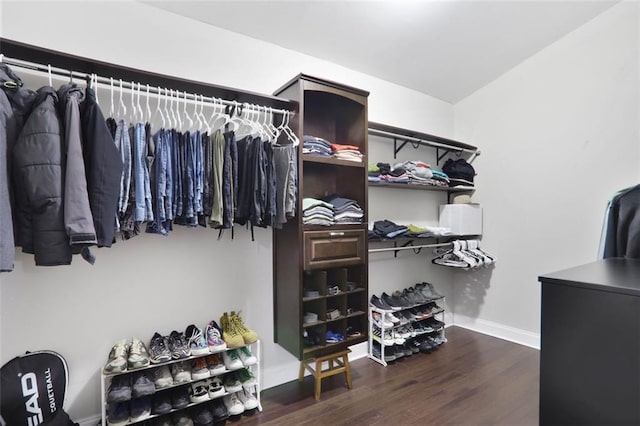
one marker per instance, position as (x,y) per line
(500,331)
(90,421)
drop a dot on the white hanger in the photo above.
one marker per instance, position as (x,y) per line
(138,104)
(134,111)
(50,80)
(112,110)
(204,119)
(196,104)
(218,117)
(95,87)
(158,110)
(148,107)
(121,105)
(166,109)
(186,114)
(175,111)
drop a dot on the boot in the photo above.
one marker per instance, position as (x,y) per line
(249,336)
(229,333)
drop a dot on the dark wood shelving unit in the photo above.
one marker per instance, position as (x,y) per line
(315,257)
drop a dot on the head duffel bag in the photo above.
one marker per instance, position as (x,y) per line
(32,389)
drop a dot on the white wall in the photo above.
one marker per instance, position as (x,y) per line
(152,283)
(559,135)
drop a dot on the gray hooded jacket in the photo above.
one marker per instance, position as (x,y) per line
(15,104)
(78,220)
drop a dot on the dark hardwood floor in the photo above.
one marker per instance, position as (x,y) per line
(472,379)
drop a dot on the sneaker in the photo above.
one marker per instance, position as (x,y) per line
(233,404)
(248,400)
(118,413)
(199,369)
(159,349)
(390,317)
(433,291)
(142,385)
(138,355)
(247,378)
(181,372)
(195,340)
(215,388)
(120,389)
(230,335)
(214,337)
(202,416)
(231,360)
(117,360)
(388,337)
(161,377)
(140,408)
(246,356)
(178,345)
(180,397)
(181,419)
(380,304)
(381,320)
(414,345)
(249,336)
(215,365)
(231,383)
(425,290)
(198,391)
(160,403)
(219,411)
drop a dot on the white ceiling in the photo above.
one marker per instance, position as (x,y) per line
(447,49)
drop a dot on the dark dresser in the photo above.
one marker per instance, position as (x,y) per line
(590,344)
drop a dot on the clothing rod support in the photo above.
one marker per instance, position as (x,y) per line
(125,84)
(420,141)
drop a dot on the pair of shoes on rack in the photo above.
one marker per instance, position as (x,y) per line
(333,337)
(235,333)
(428,290)
(126,356)
(166,348)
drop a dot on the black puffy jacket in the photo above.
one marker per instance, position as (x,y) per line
(39,170)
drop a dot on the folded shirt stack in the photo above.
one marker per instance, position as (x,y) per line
(428,231)
(385,229)
(413,172)
(346,210)
(317,212)
(347,152)
(313,145)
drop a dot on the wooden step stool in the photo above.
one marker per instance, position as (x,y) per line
(336,366)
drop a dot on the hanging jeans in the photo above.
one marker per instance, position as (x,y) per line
(124,147)
(142,211)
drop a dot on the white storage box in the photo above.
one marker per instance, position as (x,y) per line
(462,219)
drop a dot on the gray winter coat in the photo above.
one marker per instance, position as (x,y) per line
(78,220)
(15,104)
(39,171)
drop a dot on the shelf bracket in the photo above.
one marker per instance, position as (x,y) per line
(441,156)
(396,148)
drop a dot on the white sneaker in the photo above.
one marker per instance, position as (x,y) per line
(199,391)
(248,400)
(231,360)
(233,404)
(215,387)
(181,372)
(392,318)
(246,356)
(161,377)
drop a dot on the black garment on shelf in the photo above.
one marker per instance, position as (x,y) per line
(459,172)
(387,229)
(623,226)
(385,168)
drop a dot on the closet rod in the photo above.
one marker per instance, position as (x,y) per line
(421,141)
(125,84)
(410,247)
